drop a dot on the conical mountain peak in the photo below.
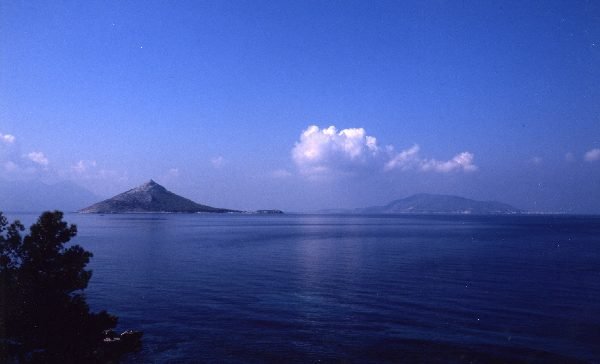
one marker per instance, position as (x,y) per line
(150,184)
(149,197)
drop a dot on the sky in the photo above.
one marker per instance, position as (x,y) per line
(306,105)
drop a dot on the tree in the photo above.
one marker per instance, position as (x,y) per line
(44,316)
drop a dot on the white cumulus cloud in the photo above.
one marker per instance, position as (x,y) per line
(404,160)
(320,151)
(324,151)
(38,157)
(592,155)
(460,162)
(7,138)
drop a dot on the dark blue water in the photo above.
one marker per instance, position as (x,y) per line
(297,288)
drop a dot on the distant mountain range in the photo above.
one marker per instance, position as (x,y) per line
(35,196)
(424,203)
(150,197)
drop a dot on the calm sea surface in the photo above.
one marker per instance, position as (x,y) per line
(322,288)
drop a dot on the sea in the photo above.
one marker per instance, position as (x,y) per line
(232,288)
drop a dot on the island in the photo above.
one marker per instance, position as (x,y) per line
(269,212)
(150,197)
(432,204)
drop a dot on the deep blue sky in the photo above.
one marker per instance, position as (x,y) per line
(211,99)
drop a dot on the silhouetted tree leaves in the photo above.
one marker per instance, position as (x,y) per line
(44,316)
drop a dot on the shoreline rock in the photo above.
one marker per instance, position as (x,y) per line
(113,346)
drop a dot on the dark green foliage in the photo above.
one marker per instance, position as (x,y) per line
(44,316)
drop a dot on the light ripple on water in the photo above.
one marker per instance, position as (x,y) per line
(359,288)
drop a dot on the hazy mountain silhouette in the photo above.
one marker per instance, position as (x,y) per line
(149,197)
(35,196)
(424,203)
